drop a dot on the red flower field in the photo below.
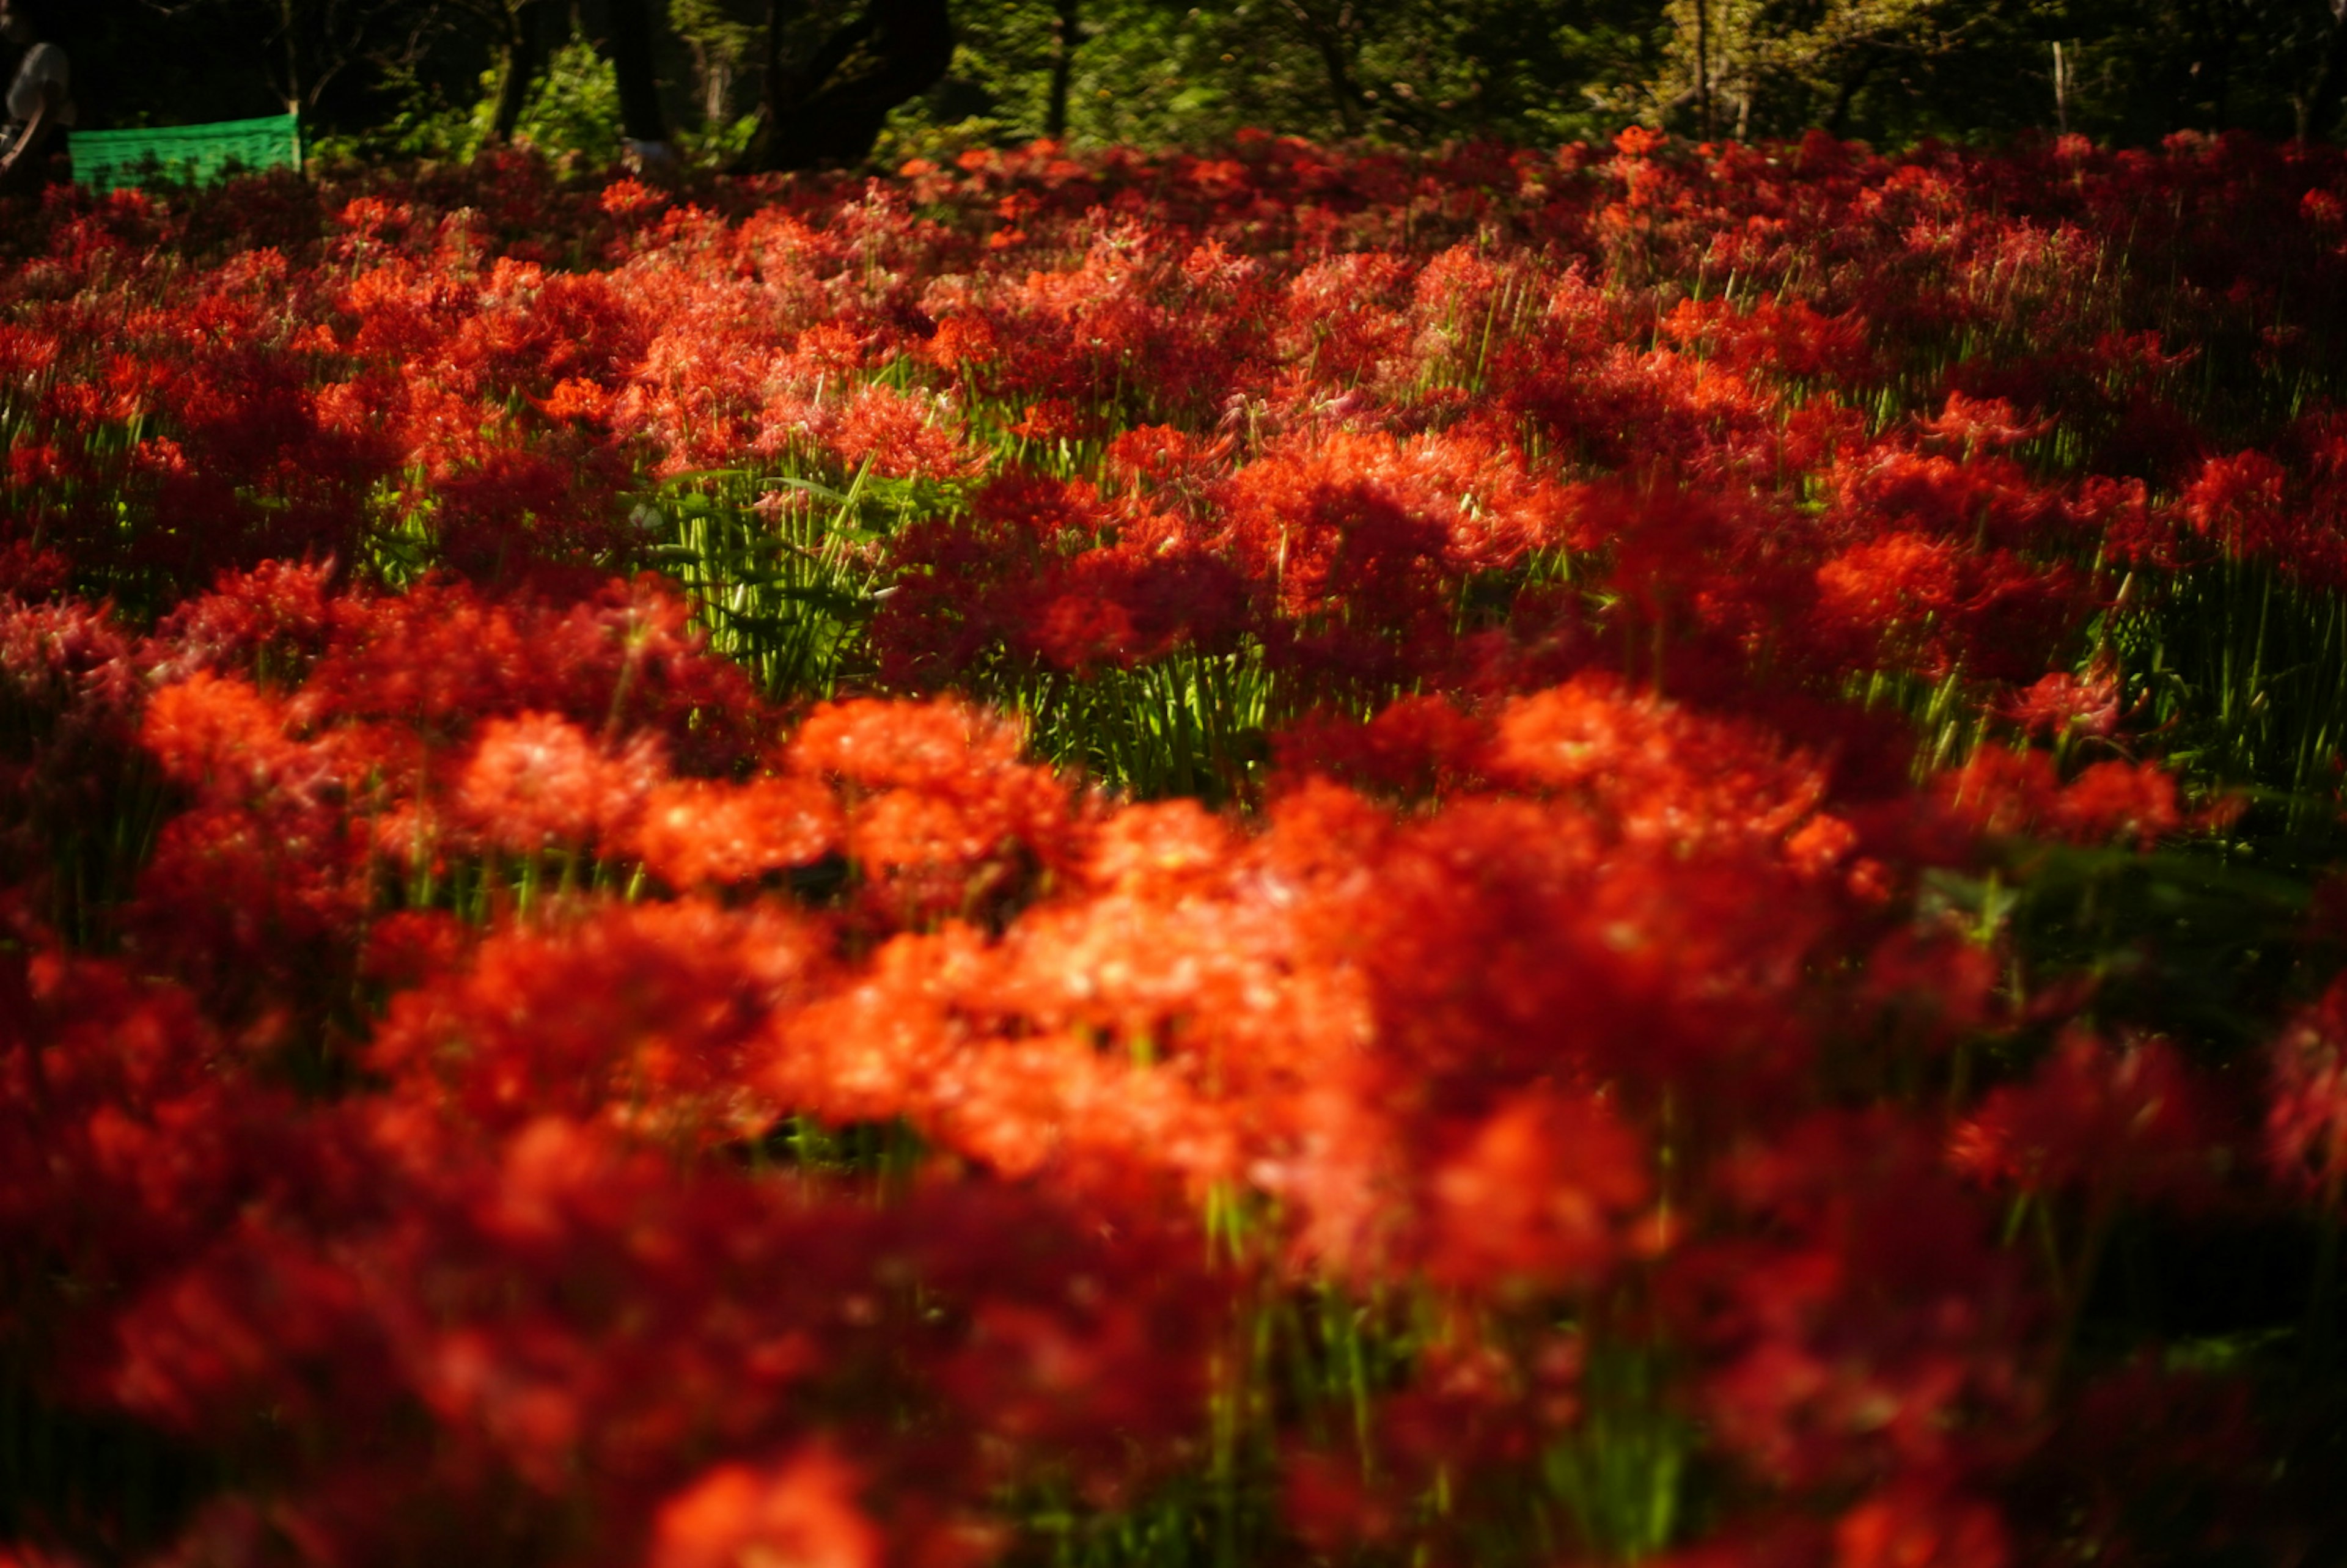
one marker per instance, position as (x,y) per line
(1620,854)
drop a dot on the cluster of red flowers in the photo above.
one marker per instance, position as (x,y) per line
(1601,1070)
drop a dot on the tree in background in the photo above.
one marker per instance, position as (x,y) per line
(830,106)
(1066,34)
(842,80)
(314,58)
(1414,71)
(1743,68)
(518,31)
(629,44)
(2319,105)
(724,39)
(2146,68)
(315,41)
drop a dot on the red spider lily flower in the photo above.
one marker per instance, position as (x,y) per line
(1161,845)
(629,198)
(1930,605)
(270,865)
(200,1338)
(1989,424)
(1082,1371)
(1810,1377)
(1361,543)
(1653,772)
(1775,337)
(538,779)
(1052,419)
(693,832)
(2306,1110)
(574,397)
(1129,604)
(1539,1198)
(31,573)
(962,340)
(1875,585)
(2130,1123)
(1419,748)
(899,434)
(934,1032)
(2239,502)
(1184,463)
(1918,1524)
(939,809)
(1331,1506)
(2062,704)
(624,661)
(2112,799)
(640,1014)
(2005,792)
(272,621)
(126,1129)
(410,947)
(803,1508)
(69,686)
(1935,987)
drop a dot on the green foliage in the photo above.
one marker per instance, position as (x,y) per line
(2142,68)
(725,46)
(1407,72)
(1420,71)
(779,569)
(1152,72)
(726,41)
(1775,67)
(573,110)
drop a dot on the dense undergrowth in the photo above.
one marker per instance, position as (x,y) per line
(1601,855)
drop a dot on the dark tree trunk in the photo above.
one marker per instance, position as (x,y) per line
(1703,67)
(289,23)
(780,81)
(778,84)
(1853,78)
(829,111)
(630,46)
(1063,68)
(2320,107)
(1327,41)
(2213,33)
(523,56)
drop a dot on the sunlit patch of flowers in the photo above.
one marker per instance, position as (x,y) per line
(1581,855)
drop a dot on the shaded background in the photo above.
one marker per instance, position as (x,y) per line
(384,77)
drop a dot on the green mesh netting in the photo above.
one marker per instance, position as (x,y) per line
(185,154)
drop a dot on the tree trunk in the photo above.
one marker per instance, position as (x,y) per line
(1846,90)
(292,56)
(524,54)
(780,84)
(2213,29)
(2061,91)
(1063,68)
(630,47)
(2320,107)
(1327,41)
(1703,67)
(829,111)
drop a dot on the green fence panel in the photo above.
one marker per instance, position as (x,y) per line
(185,154)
